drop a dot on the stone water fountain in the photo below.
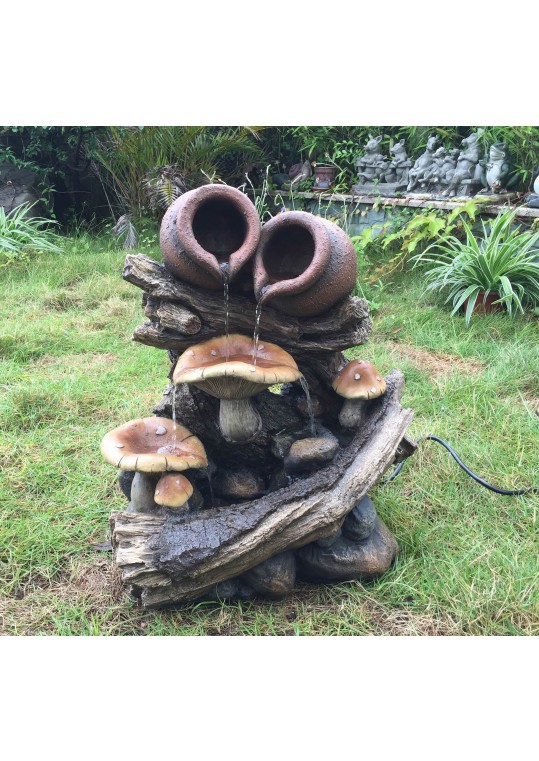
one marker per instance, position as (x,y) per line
(254,470)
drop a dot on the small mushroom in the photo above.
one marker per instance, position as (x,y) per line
(358,382)
(151,445)
(230,369)
(173,490)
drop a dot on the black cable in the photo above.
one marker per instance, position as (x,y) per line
(454,455)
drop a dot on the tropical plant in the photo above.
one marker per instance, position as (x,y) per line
(21,235)
(163,185)
(503,261)
(406,232)
(131,160)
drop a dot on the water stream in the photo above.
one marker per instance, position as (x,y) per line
(305,387)
(174,424)
(225,269)
(256,333)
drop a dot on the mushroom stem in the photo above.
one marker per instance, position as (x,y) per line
(352,412)
(142,494)
(238,420)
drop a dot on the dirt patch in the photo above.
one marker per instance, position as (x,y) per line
(66,363)
(93,586)
(532,403)
(399,622)
(436,364)
(66,299)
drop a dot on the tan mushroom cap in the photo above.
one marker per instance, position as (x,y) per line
(173,490)
(226,367)
(153,445)
(359,379)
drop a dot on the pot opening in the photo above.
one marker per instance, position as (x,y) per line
(288,253)
(220,228)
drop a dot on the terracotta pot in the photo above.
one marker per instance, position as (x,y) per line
(488,307)
(207,231)
(324,177)
(304,264)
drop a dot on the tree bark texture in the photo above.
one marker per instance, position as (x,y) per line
(347,324)
(170,559)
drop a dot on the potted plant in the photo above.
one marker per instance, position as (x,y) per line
(324,175)
(500,267)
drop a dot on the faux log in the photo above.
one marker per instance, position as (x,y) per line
(347,324)
(174,317)
(173,559)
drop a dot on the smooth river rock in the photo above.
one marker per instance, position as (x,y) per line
(346,560)
(275,577)
(307,454)
(360,522)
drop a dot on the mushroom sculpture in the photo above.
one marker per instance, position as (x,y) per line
(154,445)
(173,490)
(233,369)
(358,382)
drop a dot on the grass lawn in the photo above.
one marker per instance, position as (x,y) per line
(69,372)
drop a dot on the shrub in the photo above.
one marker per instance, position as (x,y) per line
(502,261)
(21,235)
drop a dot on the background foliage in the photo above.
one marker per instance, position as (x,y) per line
(86,172)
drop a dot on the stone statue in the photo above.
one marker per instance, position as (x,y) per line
(448,167)
(300,172)
(468,174)
(423,162)
(296,174)
(433,173)
(500,174)
(372,164)
(399,166)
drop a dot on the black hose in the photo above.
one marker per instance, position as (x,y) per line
(454,455)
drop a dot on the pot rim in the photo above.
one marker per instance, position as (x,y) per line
(190,204)
(321,256)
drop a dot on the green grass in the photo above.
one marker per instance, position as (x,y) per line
(69,373)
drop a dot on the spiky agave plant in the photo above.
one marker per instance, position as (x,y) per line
(503,261)
(21,234)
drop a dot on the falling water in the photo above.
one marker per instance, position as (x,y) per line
(256,333)
(305,387)
(227,353)
(225,269)
(174,425)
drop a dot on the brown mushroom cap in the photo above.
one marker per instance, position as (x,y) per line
(153,445)
(172,490)
(359,379)
(227,368)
